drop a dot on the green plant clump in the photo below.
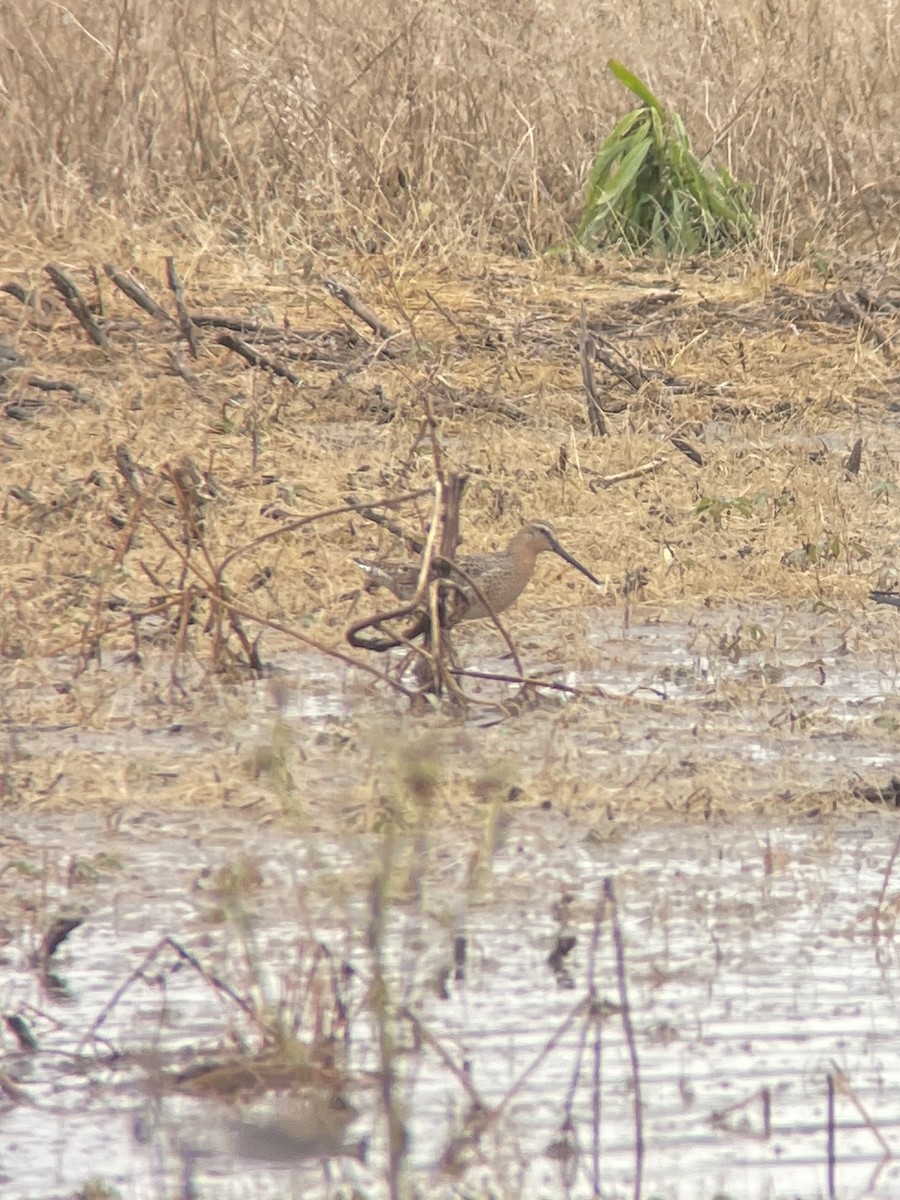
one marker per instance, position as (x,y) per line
(648,190)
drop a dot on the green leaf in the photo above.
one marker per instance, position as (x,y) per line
(624,174)
(659,132)
(633,84)
(646,185)
(683,140)
(606,156)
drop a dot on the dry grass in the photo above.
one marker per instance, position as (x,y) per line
(434,123)
(775,376)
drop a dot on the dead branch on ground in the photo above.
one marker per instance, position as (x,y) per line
(185,323)
(77,305)
(587,349)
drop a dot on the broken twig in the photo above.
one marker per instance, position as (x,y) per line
(586,349)
(255,359)
(185,324)
(77,305)
(137,293)
(605,481)
(850,308)
(357,307)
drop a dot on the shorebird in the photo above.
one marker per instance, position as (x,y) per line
(500,577)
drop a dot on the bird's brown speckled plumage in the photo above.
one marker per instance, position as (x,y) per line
(501,576)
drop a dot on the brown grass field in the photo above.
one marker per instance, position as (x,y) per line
(427,156)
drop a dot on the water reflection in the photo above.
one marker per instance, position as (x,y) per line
(758,974)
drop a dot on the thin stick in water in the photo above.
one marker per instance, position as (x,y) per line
(610,896)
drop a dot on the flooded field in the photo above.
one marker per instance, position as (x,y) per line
(704,713)
(572,984)
(756,967)
(273,925)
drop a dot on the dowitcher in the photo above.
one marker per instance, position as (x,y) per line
(500,577)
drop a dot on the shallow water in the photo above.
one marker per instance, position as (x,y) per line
(752,966)
(754,969)
(701,704)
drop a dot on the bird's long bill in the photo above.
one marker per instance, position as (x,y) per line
(573,562)
(886,598)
